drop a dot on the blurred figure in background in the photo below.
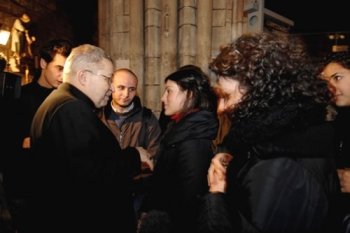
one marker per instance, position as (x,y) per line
(18,173)
(53,56)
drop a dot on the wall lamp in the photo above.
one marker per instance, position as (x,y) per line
(4,36)
(336,36)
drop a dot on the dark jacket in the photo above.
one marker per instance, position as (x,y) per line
(282,177)
(342,130)
(180,175)
(21,112)
(83,177)
(139,127)
(32,95)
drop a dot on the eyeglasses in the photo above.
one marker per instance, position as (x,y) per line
(107,78)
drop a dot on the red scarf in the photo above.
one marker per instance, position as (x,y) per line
(178,116)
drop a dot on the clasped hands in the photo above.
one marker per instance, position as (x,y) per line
(217,172)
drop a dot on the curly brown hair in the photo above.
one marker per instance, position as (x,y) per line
(273,70)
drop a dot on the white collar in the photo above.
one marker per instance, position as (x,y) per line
(125,110)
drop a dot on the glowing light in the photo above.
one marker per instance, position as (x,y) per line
(4,37)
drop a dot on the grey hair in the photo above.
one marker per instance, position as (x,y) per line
(84,56)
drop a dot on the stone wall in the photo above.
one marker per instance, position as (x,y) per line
(155,37)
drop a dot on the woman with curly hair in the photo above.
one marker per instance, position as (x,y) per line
(278,173)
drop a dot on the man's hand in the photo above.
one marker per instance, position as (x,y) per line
(145,157)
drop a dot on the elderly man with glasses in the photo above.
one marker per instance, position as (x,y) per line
(83,177)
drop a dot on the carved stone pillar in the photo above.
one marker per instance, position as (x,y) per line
(204,25)
(155,37)
(152,53)
(187,32)
(137,44)
(169,35)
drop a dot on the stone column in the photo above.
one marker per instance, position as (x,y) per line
(204,19)
(187,32)
(120,33)
(104,12)
(238,18)
(169,35)
(137,43)
(152,53)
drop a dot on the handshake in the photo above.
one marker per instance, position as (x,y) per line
(146,160)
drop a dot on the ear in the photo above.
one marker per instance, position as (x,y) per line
(82,77)
(43,63)
(189,94)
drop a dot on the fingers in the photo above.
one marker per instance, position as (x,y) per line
(26,143)
(221,161)
(344,178)
(216,183)
(145,157)
(217,172)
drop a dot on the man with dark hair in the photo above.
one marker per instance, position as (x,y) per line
(17,175)
(52,58)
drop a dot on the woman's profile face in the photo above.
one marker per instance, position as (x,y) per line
(229,94)
(173,98)
(339,78)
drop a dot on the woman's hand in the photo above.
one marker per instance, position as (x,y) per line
(217,172)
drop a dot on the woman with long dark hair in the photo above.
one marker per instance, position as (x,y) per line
(179,176)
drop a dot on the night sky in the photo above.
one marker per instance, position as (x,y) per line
(83,16)
(314,20)
(313,16)
(309,16)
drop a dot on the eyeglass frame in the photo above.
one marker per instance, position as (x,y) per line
(106,78)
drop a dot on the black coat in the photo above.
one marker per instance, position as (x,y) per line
(17,127)
(342,129)
(83,178)
(282,178)
(180,175)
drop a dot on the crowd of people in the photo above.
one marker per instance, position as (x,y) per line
(261,147)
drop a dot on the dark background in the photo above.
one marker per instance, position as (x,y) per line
(319,23)
(309,16)
(83,16)
(314,21)
(313,16)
